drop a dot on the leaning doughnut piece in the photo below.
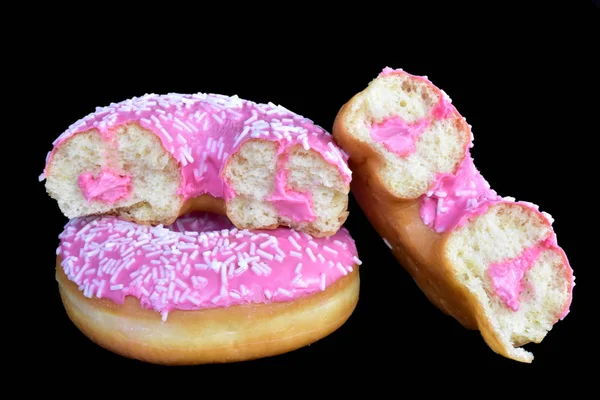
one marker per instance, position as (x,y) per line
(153,158)
(490,262)
(202,291)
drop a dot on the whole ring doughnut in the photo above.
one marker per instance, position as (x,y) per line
(202,291)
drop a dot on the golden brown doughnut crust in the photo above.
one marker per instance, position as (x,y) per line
(418,248)
(219,335)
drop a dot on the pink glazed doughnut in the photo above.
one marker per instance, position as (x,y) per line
(153,158)
(202,291)
(490,262)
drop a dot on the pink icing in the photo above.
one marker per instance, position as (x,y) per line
(290,203)
(106,187)
(454,198)
(399,136)
(201,261)
(202,130)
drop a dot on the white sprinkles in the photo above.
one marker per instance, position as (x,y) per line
(195,264)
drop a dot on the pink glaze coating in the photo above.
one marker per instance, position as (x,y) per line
(106,186)
(456,197)
(399,136)
(203,130)
(201,261)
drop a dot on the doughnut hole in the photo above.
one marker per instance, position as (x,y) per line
(503,233)
(251,172)
(439,149)
(132,151)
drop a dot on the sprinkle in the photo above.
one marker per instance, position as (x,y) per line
(464,193)
(298,268)
(341,268)
(296,279)
(356,260)
(323,281)
(285,292)
(116,287)
(241,246)
(181,283)
(294,243)
(329,249)
(341,244)
(387,243)
(264,254)
(295,254)
(271,241)
(311,255)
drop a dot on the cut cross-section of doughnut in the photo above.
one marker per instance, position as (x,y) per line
(260,186)
(296,188)
(507,258)
(412,126)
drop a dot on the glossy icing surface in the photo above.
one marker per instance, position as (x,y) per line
(201,261)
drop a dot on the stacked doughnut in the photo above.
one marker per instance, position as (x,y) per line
(203,228)
(491,262)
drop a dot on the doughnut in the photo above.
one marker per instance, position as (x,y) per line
(201,290)
(153,158)
(491,262)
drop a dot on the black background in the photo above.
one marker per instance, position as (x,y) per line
(525,79)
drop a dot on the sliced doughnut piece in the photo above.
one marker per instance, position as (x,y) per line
(490,262)
(153,158)
(411,129)
(201,291)
(508,260)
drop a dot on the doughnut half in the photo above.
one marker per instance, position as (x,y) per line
(153,158)
(201,291)
(491,262)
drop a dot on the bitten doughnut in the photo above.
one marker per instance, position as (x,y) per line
(153,158)
(489,261)
(202,291)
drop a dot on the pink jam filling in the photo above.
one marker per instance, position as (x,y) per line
(202,130)
(105,187)
(289,203)
(201,261)
(507,276)
(398,136)
(295,205)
